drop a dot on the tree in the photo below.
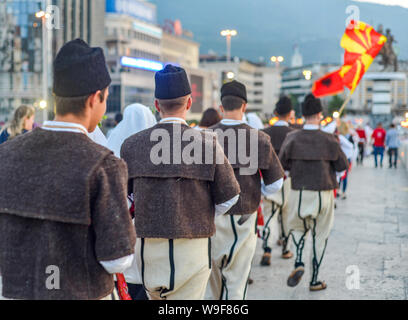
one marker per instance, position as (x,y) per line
(335,104)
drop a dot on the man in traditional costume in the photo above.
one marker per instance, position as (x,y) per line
(178,187)
(276,206)
(235,240)
(65,227)
(312,157)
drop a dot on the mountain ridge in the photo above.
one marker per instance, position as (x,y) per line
(316,26)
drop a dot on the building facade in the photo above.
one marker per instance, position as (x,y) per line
(20,55)
(184,52)
(263,82)
(133,52)
(22,42)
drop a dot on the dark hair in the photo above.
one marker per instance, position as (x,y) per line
(74,105)
(118,117)
(231,103)
(392,125)
(210,118)
(169,105)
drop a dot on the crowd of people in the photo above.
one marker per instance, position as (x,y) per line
(169,208)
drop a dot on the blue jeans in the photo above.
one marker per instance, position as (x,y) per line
(379,151)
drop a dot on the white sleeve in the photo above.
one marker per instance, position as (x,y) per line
(330,128)
(223,208)
(118,265)
(270,189)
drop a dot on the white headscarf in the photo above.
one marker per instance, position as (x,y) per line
(98,137)
(254,121)
(136,118)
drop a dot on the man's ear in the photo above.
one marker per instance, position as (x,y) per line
(244,107)
(222,109)
(189,103)
(156,104)
(94,98)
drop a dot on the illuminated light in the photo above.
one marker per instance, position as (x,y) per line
(141,64)
(43,104)
(231,33)
(404,123)
(230,75)
(274,59)
(406,115)
(336,115)
(300,121)
(280,59)
(273,121)
(40,14)
(307,74)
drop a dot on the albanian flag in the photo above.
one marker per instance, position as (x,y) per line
(361,44)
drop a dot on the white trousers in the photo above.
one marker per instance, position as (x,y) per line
(233,248)
(311,211)
(275,210)
(174,269)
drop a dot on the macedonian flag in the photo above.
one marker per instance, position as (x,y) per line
(361,44)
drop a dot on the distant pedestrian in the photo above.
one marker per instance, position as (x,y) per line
(276,205)
(22,122)
(378,136)
(118,119)
(347,146)
(361,144)
(393,143)
(210,118)
(313,157)
(136,118)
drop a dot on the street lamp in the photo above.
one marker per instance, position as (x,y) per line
(43,104)
(230,75)
(307,74)
(229,34)
(277,60)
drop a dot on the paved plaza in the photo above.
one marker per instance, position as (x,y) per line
(370,237)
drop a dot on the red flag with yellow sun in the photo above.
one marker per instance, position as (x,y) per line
(362,44)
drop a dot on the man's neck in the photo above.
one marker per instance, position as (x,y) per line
(72,119)
(313,123)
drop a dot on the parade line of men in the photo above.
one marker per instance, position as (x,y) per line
(64,199)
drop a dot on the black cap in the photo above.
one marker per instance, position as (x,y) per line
(79,70)
(284,106)
(171,83)
(311,105)
(234,88)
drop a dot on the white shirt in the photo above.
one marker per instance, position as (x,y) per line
(281,123)
(311,127)
(113,266)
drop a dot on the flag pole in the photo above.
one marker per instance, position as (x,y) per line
(345,103)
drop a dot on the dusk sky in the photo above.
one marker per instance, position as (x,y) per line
(402,3)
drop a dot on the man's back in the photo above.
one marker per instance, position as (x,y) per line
(278,135)
(267,163)
(174,190)
(312,157)
(59,191)
(379,135)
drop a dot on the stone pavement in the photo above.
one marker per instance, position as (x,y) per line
(370,232)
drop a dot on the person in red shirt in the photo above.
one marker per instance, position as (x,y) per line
(378,136)
(361,144)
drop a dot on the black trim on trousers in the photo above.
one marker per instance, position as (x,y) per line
(235,239)
(172,269)
(316,264)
